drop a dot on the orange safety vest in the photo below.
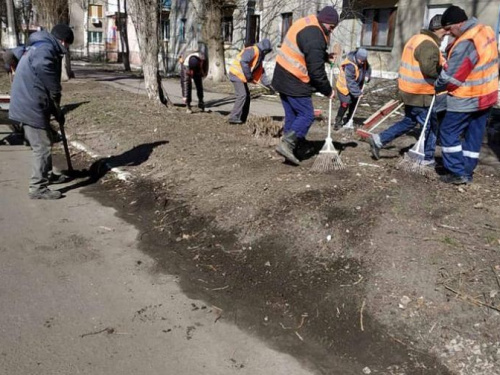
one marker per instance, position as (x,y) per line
(290,57)
(483,79)
(411,79)
(236,69)
(341,80)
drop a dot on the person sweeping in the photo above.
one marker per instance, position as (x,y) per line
(354,72)
(420,66)
(247,68)
(300,71)
(471,83)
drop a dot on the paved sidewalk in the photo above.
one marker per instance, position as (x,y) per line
(216,102)
(77,296)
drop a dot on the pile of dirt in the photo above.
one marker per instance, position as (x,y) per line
(368,269)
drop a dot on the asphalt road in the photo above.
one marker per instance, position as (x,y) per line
(78,297)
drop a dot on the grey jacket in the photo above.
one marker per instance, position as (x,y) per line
(461,62)
(37,83)
(246,59)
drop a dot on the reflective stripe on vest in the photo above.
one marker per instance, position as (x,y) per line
(483,79)
(341,80)
(411,79)
(236,69)
(290,57)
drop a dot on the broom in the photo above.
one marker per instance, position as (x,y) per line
(350,124)
(328,158)
(413,160)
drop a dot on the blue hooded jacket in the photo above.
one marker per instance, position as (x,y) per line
(37,83)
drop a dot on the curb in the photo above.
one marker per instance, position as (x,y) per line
(120,174)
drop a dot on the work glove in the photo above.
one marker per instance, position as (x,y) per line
(60,118)
(59,114)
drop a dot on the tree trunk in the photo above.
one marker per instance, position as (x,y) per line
(122,25)
(13,40)
(145,15)
(211,18)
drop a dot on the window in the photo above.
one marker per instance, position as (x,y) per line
(286,22)
(430,13)
(165,29)
(182,31)
(227,29)
(95,11)
(95,37)
(253,30)
(378,27)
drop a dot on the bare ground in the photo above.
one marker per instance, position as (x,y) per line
(369,269)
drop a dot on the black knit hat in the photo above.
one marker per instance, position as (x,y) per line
(63,32)
(328,15)
(435,23)
(453,15)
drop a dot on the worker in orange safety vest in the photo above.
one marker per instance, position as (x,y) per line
(471,83)
(246,68)
(299,72)
(420,66)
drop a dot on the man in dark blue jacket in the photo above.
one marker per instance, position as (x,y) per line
(35,96)
(299,72)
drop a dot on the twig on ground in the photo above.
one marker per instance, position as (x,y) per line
(303,316)
(433,326)
(361,316)
(355,283)
(299,336)
(221,288)
(108,330)
(284,327)
(496,276)
(218,312)
(454,229)
(491,227)
(471,300)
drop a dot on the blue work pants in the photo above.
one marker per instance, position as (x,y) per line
(460,157)
(413,116)
(299,114)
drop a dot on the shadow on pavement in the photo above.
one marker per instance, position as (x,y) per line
(72,106)
(99,168)
(220,102)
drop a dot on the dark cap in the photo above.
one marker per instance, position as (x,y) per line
(453,15)
(362,54)
(328,15)
(63,32)
(435,23)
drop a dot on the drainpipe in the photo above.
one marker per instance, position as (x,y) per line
(250,12)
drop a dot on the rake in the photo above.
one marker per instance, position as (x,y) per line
(413,160)
(328,158)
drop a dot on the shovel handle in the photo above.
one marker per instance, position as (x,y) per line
(66,148)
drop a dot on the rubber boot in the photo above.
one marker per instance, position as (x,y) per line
(340,115)
(287,146)
(305,149)
(338,123)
